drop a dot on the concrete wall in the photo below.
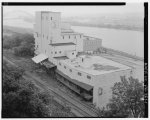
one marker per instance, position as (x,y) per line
(91,45)
(71,54)
(74,73)
(106,81)
(58,51)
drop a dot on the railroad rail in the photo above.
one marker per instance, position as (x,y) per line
(77,106)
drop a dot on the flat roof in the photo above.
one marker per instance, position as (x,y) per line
(39,58)
(94,65)
(62,44)
(82,85)
(70,33)
(91,38)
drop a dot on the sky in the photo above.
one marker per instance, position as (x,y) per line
(67,11)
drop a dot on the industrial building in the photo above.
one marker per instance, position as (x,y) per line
(57,45)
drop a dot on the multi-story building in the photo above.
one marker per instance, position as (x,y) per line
(90,76)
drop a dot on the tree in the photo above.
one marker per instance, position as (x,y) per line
(22,98)
(127,98)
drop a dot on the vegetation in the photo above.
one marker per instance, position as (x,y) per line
(127,99)
(21,44)
(21,98)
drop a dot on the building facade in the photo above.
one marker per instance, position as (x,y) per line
(92,75)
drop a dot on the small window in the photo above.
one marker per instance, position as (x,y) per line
(79,73)
(45,51)
(75,37)
(72,53)
(55,52)
(63,37)
(89,77)
(43,35)
(51,18)
(59,51)
(59,63)
(47,37)
(65,67)
(70,70)
(80,36)
(51,52)
(69,36)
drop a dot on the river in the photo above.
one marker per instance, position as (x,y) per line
(128,41)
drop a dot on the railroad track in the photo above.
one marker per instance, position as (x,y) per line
(81,109)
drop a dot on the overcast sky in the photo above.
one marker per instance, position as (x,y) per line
(79,10)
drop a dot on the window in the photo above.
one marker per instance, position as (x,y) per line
(51,52)
(63,37)
(59,63)
(59,51)
(51,18)
(65,67)
(47,37)
(69,36)
(55,52)
(80,36)
(89,77)
(72,53)
(70,70)
(45,51)
(79,73)
(75,37)
(36,46)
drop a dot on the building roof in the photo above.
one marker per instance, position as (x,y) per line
(71,33)
(62,44)
(95,65)
(39,58)
(81,84)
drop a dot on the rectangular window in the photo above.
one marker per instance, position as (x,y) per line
(59,51)
(89,77)
(70,70)
(51,18)
(55,52)
(63,37)
(75,37)
(59,63)
(80,36)
(43,35)
(65,67)
(69,36)
(79,73)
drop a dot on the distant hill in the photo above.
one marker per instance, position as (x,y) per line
(132,21)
